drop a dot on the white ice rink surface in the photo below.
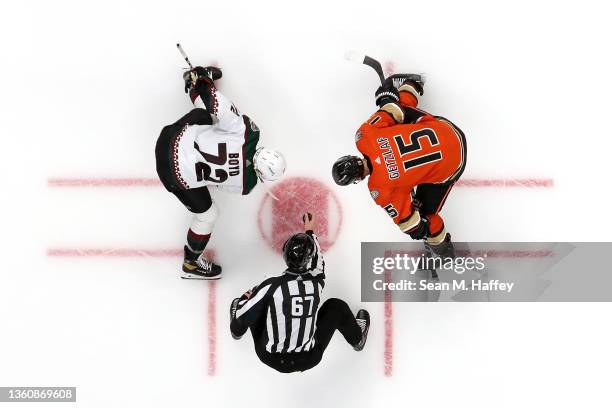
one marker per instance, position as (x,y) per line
(86,88)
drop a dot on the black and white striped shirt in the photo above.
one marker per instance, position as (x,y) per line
(282,310)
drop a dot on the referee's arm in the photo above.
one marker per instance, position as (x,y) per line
(250,309)
(317,264)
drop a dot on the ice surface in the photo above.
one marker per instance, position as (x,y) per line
(87,88)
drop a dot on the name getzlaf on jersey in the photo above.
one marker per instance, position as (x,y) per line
(216,154)
(403,156)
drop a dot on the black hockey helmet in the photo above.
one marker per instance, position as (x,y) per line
(298,251)
(347,170)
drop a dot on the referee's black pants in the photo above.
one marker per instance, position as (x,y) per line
(334,314)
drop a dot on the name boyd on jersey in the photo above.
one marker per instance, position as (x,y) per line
(204,169)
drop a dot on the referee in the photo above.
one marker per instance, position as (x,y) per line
(290,328)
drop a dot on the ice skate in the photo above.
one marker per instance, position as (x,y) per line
(198,267)
(363,320)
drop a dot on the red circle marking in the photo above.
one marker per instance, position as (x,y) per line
(278,220)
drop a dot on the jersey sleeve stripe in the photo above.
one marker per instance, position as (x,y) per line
(410,222)
(252,301)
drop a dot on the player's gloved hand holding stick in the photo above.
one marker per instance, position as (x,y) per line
(386,93)
(206,74)
(389,91)
(420,231)
(191,78)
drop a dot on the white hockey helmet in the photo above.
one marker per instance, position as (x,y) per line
(269,164)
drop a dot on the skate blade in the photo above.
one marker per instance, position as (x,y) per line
(200,277)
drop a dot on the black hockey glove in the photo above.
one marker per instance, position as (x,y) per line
(420,231)
(207,74)
(386,93)
(418,86)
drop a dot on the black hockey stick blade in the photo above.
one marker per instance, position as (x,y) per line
(397,79)
(376,66)
(369,61)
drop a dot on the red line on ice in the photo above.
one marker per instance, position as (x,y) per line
(487,253)
(152,182)
(388,354)
(104,182)
(116,252)
(212,328)
(388,316)
(528,183)
(178,252)
(212,318)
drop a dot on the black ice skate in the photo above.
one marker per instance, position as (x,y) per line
(198,267)
(363,320)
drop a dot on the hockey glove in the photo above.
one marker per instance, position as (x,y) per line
(420,231)
(191,77)
(386,93)
(416,85)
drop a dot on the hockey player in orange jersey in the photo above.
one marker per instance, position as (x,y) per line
(412,158)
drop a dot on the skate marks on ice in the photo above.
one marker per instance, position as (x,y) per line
(277,220)
(211,286)
(434,295)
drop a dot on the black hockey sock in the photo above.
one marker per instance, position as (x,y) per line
(196,244)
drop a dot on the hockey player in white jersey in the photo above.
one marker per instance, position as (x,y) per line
(212,145)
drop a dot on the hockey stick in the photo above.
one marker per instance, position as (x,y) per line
(268,190)
(397,79)
(184,54)
(369,61)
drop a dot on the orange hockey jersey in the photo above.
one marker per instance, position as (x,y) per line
(406,147)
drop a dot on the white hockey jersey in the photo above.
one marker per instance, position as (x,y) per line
(220,154)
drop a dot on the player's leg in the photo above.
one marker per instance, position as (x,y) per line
(433,196)
(334,314)
(200,203)
(430,199)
